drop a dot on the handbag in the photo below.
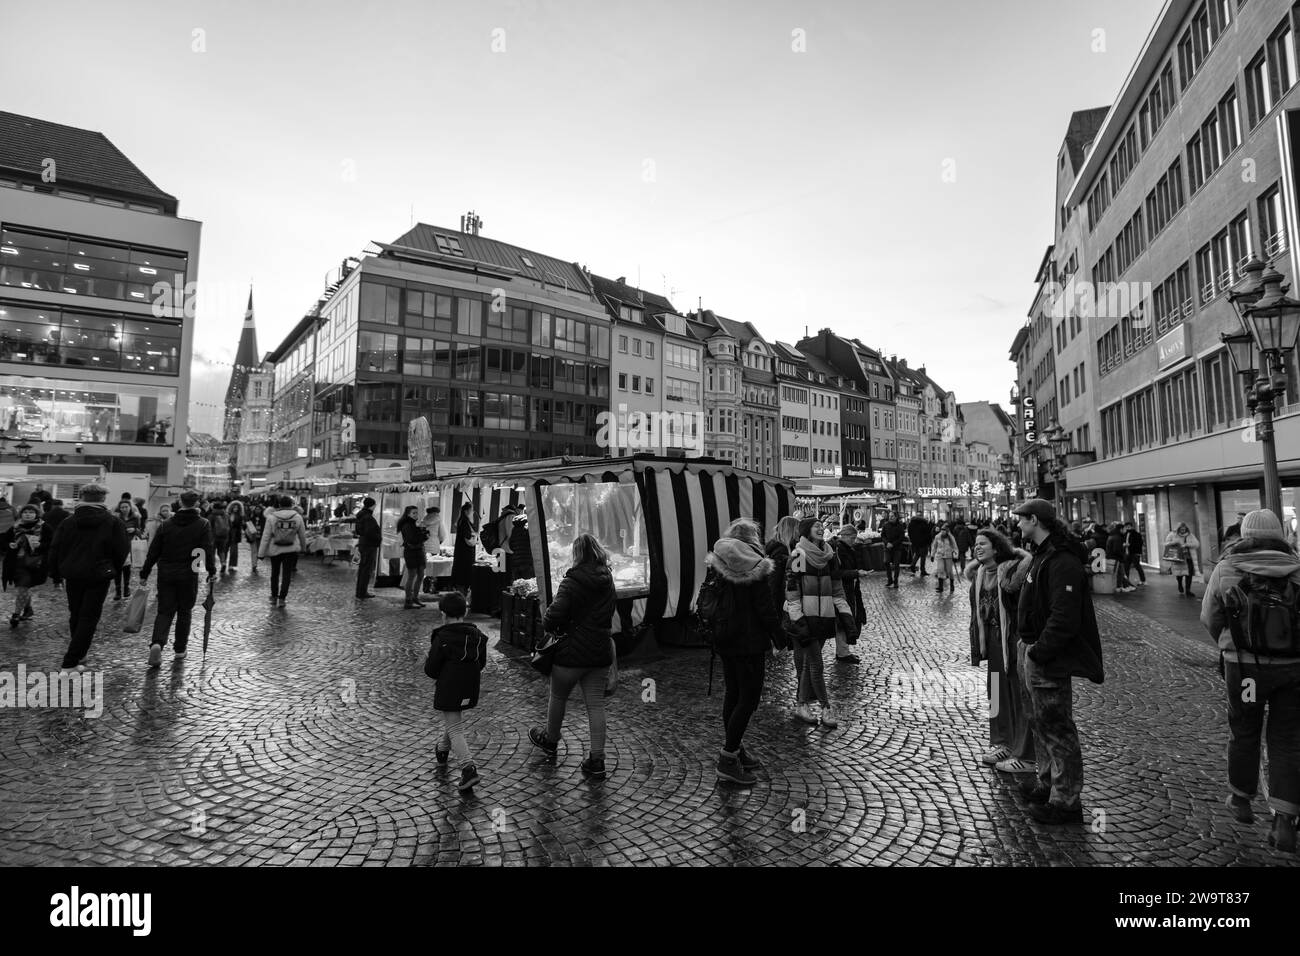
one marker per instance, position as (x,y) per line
(1174,552)
(139,552)
(135,611)
(543,656)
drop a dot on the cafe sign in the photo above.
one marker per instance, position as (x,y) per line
(1031,429)
(1173,347)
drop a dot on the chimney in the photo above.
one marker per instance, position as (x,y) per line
(921,369)
(903,362)
(621,280)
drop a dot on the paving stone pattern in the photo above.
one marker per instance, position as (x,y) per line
(306,738)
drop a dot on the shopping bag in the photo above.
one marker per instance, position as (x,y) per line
(139,551)
(135,611)
(1174,553)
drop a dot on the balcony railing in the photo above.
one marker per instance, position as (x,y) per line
(1275,244)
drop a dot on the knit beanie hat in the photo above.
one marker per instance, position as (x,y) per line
(805,527)
(1261,524)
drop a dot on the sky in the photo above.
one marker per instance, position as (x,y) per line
(883,169)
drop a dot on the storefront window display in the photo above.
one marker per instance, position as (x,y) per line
(43,409)
(610,511)
(1240,501)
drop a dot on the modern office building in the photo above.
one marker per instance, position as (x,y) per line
(505,350)
(97,277)
(1190,175)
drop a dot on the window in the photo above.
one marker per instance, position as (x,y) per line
(466,408)
(1224,404)
(649,386)
(570,335)
(380,304)
(1229,122)
(469,316)
(622,381)
(468,360)
(1259,95)
(509,324)
(649,349)
(1180,406)
(100,340)
(622,344)
(58,262)
(1272,232)
(376,352)
(41,409)
(636,346)
(636,383)
(1281,61)
(504,411)
(542,328)
(1195,45)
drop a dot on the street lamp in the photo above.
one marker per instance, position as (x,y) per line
(370,460)
(1059,444)
(338,464)
(24,449)
(1270,321)
(1007,468)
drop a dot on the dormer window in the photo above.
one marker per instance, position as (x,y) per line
(528,262)
(448,245)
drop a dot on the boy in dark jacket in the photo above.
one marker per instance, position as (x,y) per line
(920,534)
(457,653)
(179,548)
(1058,641)
(87,553)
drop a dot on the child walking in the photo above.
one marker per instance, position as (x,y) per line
(457,652)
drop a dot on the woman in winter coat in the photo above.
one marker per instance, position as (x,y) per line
(814,607)
(134,529)
(778,549)
(519,564)
(943,551)
(851,574)
(581,614)
(413,537)
(156,521)
(1263,553)
(996,576)
(1184,569)
(462,563)
(746,628)
(25,547)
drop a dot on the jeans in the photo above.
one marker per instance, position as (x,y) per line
(592,681)
(366,572)
(812,680)
(222,548)
(1134,562)
(85,605)
(412,580)
(1121,573)
(743,674)
(1278,687)
(234,549)
(287,563)
(453,736)
(122,582)
(1056,738)
(893,557)
(22,599)
(176,599)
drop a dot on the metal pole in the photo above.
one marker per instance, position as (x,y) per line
(1272,486)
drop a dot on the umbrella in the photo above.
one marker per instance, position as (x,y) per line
(207,618)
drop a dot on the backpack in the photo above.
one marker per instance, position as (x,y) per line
(220,524)
(488,537)
(713,603)
(1264,615)
(284,532)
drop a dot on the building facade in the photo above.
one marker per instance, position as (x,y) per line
(97,279)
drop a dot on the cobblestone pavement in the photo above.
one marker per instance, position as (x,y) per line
(306,738)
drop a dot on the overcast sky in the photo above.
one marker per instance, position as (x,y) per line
(688,143)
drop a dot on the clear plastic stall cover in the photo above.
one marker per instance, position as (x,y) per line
(611,512)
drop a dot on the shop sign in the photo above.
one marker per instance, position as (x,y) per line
(1173,347)
(1031,430)
(858,473)
(942,492)
(419,442)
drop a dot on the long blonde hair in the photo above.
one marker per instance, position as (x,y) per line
(587,550)
(787,530)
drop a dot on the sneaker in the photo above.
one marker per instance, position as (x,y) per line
(179,656)
(155,656)
(847,659)
(593,768)
(1053,814)
(468,777)
(27,614)
(805,713)
(995,755)
(830,717)
(1016,765)
(441,755)
(730,770)
(72,669)
(747,761)
(408,606)
(538,736)
(1283,835)
(1190,594)
(1240,807)
(1034,792)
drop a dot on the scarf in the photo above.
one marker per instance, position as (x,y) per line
(818,555)
(1004,625)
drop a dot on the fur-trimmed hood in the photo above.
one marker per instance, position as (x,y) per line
(738,562)
(1011,573)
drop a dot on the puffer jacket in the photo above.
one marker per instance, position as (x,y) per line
(1267,558)
(1054,615)
(814,591)
(283,517)
(92,545)
(457,652)
(582,612)
(1011,576)
(180,541)
(753,623)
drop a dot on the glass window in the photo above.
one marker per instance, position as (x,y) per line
(42,409)
(56,262)
(377,352)
(469,315)
(98,340)
(466,408)
(468,362)
(542,329)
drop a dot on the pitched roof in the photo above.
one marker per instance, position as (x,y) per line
(613,291)
(82,158)
(424,238)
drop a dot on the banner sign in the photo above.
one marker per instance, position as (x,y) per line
(419,443)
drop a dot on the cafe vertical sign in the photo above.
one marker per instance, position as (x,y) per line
(419,444)
(1031,429)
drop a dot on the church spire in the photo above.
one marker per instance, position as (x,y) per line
(245,362)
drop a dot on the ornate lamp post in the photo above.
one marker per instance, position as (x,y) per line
(1059,443)
(1270,321)
(1007,468)
(24,449)
(338,460)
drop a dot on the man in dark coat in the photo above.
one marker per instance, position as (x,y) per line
(87,554)
(920,533)
(965,539)
(1058,635)
(1133,545)
(893,534)
(176,548)
(369,538)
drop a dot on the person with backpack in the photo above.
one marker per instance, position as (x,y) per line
(457,653)
(413,538)
(284,537)
(1181,548)
(746,624)
(814,606)
(1057,627)
(87,553)
(582,614)
(219,518)
(177,549)
(1252,609)
(26,548)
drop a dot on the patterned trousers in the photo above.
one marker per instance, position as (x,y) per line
(1050,705)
